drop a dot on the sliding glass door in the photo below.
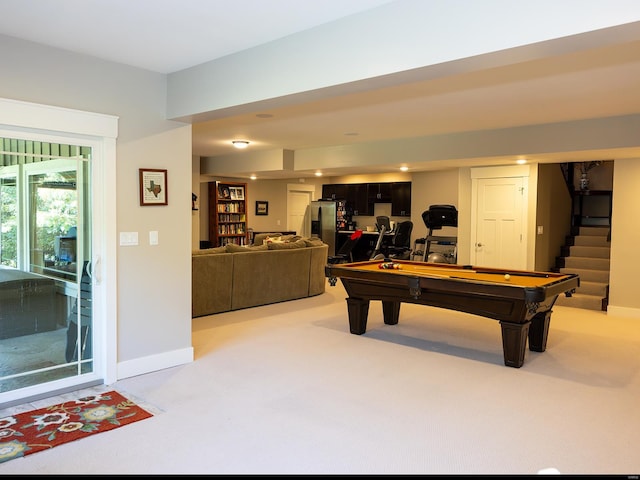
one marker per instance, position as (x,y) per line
(46,333)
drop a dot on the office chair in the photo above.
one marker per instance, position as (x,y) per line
(345,253)
(381,221)
(400,247)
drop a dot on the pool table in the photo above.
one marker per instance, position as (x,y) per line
(520,300)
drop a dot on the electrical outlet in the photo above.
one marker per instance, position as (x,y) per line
(128,238)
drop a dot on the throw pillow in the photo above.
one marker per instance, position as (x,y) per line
(259,238)
(269,240)
(287,245)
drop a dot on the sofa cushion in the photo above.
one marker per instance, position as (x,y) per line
(286,245)
(268,277)
(210,287)
(317,280)
(209,251)
(313,242)
(233,248)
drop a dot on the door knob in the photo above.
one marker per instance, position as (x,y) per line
(478,244)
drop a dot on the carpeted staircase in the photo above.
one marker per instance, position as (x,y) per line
(587,254)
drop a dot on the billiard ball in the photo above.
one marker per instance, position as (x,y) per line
(507,276)
(389,266)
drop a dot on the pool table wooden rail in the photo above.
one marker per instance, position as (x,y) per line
(522,305)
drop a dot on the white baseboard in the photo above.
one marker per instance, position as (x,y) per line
(152,363)
(623,311)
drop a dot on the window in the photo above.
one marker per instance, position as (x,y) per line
(45,252)
(8,217)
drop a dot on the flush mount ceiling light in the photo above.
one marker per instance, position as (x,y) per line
(240,143)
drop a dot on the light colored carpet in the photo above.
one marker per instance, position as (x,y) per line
(286,389)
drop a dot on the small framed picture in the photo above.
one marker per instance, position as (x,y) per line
(153,187)
(224,192)
(262,208)
(237,193)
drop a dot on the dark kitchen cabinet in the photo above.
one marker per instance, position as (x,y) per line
(379,192)
(357,199)
(362,197)
(401,199)
(334,191)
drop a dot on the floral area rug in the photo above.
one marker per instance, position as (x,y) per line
(30,432)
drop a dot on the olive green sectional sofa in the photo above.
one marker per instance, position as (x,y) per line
(269,271)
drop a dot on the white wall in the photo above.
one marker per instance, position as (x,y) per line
(625,238)
(153,282)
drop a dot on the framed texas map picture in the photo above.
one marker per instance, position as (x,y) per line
(153,187)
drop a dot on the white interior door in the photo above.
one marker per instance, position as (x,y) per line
(500,237)
(298,199)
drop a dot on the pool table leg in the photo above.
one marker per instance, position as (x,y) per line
(358,312)
(390,312)
(514,343)
(539,331)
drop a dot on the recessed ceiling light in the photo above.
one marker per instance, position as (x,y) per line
(253,177)
(318,174)
(521,161)
(240,143)
(404,169)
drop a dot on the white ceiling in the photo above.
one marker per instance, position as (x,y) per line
(166,35)
(169,35)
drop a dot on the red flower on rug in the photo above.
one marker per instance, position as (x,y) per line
(31,432)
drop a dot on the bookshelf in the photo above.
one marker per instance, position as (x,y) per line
(227,213)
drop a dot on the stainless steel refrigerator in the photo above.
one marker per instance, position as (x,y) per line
(327,217)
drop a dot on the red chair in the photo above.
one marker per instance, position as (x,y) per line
(344,254)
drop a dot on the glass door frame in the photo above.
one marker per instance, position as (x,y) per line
(31,121)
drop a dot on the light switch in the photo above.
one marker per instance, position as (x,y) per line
(128,238)
(540,230)
(153,237)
